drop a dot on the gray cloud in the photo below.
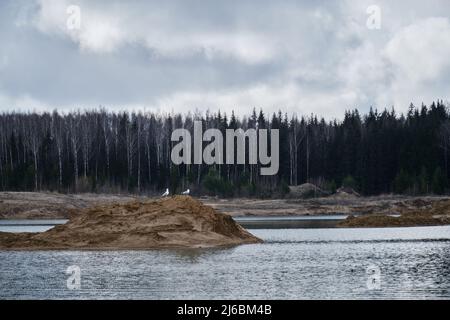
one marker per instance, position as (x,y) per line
(301,56)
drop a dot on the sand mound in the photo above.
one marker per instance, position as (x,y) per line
(177,222)
(346,192)
(306,191)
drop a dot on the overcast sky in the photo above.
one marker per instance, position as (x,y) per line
(299,56)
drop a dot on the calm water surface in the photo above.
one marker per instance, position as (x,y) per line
(40,225)
(397,263)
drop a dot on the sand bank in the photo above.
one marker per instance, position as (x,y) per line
(434,214)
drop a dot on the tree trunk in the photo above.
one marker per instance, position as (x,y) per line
(60,167)
(307,157)
(75,165)
(139,159)
(35,171)
(148,162)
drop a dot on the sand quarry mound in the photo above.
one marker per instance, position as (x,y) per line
(306,191)
(176,222)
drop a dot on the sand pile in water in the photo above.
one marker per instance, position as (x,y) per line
(176,222)
(435,214)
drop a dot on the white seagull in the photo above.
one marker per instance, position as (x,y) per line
(186,192)
(165,194)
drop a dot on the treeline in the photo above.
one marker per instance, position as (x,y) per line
(100,151)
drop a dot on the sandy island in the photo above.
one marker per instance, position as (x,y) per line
(175,222)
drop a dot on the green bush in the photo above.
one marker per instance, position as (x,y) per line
(174,180)
(215,185)
(349,182)
(423,181)
(402,182)
(438,182)
(284,188)
(331,186)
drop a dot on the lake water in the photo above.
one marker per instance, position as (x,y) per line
(288,222)
(399,263)
(29,225)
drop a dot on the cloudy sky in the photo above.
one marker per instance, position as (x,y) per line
(301,56)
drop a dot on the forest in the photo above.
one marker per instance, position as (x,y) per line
(129,152)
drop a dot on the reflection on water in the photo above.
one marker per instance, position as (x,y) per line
(290,222)
(29,225)
(291,264)
(19,229)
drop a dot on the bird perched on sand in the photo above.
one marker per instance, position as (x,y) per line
(186,192)
(165,194)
